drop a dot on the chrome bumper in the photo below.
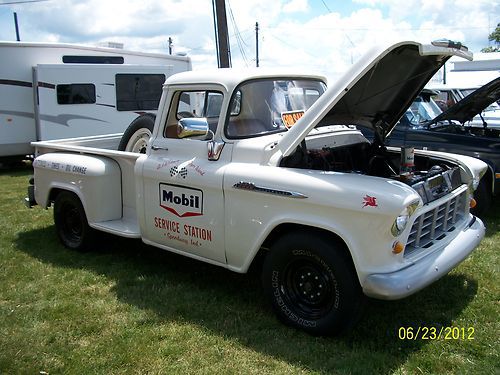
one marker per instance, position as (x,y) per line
(425,271)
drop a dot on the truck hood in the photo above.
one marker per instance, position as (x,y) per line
(375,92)
(472,104)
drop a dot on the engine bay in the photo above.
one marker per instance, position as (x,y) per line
(474,131)
(431,178)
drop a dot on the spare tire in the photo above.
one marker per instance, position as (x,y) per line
(136,137)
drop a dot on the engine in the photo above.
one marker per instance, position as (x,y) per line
(431,178)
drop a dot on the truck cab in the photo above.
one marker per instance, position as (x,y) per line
(182,176)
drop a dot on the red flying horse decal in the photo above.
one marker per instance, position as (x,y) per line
(369,201)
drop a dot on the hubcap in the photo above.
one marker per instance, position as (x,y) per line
(139,141)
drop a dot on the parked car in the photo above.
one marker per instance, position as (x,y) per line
(425,126)
(447,96)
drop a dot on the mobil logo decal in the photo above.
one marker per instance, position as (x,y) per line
(181,201)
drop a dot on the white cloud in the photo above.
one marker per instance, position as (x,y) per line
(289,35)
(296,6)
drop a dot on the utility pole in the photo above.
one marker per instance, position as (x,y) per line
(221,33)
(169,45)
(257,44)
(18,38)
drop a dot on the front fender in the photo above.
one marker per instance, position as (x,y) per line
(358,209)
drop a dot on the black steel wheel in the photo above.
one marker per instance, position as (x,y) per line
(312,284)
(309,287)
(71,222)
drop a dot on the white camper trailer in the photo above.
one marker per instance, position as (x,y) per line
(54,91)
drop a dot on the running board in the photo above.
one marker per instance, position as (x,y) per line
(123,228)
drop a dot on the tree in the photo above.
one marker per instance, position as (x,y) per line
(494,37)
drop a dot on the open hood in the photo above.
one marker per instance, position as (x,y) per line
(376,91)
(472,105)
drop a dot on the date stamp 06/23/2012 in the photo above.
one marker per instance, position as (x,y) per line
(436,333)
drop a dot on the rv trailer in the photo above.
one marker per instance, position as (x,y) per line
(55,91)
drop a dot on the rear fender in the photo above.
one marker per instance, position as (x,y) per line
(96,180)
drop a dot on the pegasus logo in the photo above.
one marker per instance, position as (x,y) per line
(369,201)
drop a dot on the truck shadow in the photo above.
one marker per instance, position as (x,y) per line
(175,288)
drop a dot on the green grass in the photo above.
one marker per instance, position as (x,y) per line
(126,308)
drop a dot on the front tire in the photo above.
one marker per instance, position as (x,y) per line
(71,222)
(311,284)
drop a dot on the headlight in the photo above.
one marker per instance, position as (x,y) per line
(475,183)
(401,221)
(477,180)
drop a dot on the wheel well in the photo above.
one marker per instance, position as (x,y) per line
(283,229)
(55,192)
(489,178)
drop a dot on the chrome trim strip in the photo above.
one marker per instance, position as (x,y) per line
(242,185)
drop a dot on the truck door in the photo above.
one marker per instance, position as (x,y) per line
(183,196)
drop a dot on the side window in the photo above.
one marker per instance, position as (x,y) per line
(76,93)
(194,104)
(138,92)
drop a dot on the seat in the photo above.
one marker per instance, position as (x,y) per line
(245,127)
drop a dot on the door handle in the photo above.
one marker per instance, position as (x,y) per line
(156,148)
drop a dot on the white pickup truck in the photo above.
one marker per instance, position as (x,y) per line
(244,165)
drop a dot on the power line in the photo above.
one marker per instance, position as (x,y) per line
(23,2)
(326,6)
(239,40)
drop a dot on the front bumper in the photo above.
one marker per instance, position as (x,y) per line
(425,271)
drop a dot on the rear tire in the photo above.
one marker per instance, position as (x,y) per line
(136,137)
(312,284)
(71,222)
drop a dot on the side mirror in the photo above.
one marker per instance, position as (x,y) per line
(192,127)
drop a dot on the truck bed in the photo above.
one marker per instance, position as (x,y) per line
(104,146)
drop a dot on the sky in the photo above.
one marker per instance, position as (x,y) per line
(316,36)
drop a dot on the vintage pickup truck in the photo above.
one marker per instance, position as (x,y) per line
(245,166)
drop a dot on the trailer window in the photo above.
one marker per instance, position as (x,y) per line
(93,59)
(136,92)
(76,93)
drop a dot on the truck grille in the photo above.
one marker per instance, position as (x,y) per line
(434,225)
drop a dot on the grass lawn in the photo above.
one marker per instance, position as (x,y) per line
(126,308)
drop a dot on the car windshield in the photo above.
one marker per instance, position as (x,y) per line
(422,110)
(264,106)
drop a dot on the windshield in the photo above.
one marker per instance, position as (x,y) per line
(260,107)
(422,110)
